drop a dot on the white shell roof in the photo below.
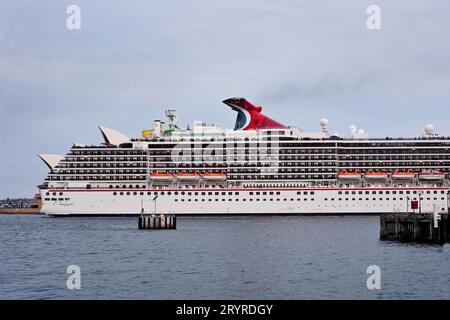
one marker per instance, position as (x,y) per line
(51,160)
(112,136)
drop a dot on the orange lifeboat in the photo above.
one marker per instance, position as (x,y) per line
(432,175)
(403,175)
(349,176)
(161,176)
(187,176)
(213,176)
(376,175)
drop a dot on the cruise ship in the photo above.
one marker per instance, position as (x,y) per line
(260,167)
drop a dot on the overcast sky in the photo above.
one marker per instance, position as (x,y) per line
(131,60)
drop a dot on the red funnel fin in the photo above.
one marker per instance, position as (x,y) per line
(250,116)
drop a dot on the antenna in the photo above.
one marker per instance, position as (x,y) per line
(171,114)
(324,124)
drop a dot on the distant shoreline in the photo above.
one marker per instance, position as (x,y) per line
(21,205)
(20,211)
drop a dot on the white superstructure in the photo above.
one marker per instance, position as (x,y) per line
(261,167)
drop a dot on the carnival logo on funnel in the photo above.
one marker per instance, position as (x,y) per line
(250,116)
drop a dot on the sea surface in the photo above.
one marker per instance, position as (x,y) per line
(215,258)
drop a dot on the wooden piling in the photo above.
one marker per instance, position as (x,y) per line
(415,227)
(157,222)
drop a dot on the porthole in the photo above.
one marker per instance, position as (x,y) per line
(141,193)
(128,193)
(115,193)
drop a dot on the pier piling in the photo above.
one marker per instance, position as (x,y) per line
(417,227)
(157,222)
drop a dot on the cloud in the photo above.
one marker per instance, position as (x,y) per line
(300,60)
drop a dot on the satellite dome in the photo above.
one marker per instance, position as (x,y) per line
(352,129)
(361,131)
(324,122)
(429,129)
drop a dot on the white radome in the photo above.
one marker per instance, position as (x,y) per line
(429,129)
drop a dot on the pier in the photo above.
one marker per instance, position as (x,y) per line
(157,222)
(415,227)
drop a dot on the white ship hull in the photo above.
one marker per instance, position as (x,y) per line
(241,201)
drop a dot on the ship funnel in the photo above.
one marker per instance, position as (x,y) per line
(250,116)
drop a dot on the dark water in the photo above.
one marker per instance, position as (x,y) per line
(215,258)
